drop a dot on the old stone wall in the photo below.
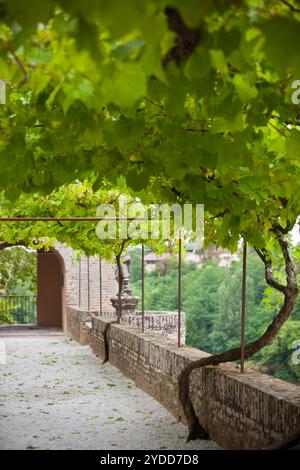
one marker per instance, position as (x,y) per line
(240,411)
(78,323)
(163,322)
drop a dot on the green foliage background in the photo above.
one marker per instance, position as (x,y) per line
(18,277)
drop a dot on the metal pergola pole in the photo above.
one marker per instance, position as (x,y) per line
(79,282)
(243,319)
(179,290)
(88,279)
(143,288)
(100,284)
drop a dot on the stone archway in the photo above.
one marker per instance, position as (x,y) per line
(50,289)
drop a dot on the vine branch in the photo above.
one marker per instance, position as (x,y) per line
(291,7)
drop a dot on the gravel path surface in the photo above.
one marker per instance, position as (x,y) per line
(55,395)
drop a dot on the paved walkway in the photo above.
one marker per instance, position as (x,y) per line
(55,395)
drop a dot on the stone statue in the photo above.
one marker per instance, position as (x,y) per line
(126,271)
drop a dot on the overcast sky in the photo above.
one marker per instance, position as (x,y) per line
(295,233)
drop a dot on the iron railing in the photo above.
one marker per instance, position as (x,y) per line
(21,307)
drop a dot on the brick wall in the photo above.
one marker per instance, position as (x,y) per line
(240,411)
(78,325)
(81,294)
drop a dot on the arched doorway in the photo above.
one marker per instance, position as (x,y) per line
(50,289)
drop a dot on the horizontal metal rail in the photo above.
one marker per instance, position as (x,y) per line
(67,219)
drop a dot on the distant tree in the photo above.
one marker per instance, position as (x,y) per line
(18,269)
(200,302)
(276,358)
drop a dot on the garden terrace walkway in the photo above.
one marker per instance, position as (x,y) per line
(54,394)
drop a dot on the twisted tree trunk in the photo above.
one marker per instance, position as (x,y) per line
(292,442)
(119,311)
(290,292)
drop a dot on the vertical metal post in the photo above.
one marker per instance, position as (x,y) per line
(79,282)
(143,288)
(179,291)
(100,284)
(243,321)
(88,280)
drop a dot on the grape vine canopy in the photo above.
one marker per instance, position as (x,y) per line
(163,99)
